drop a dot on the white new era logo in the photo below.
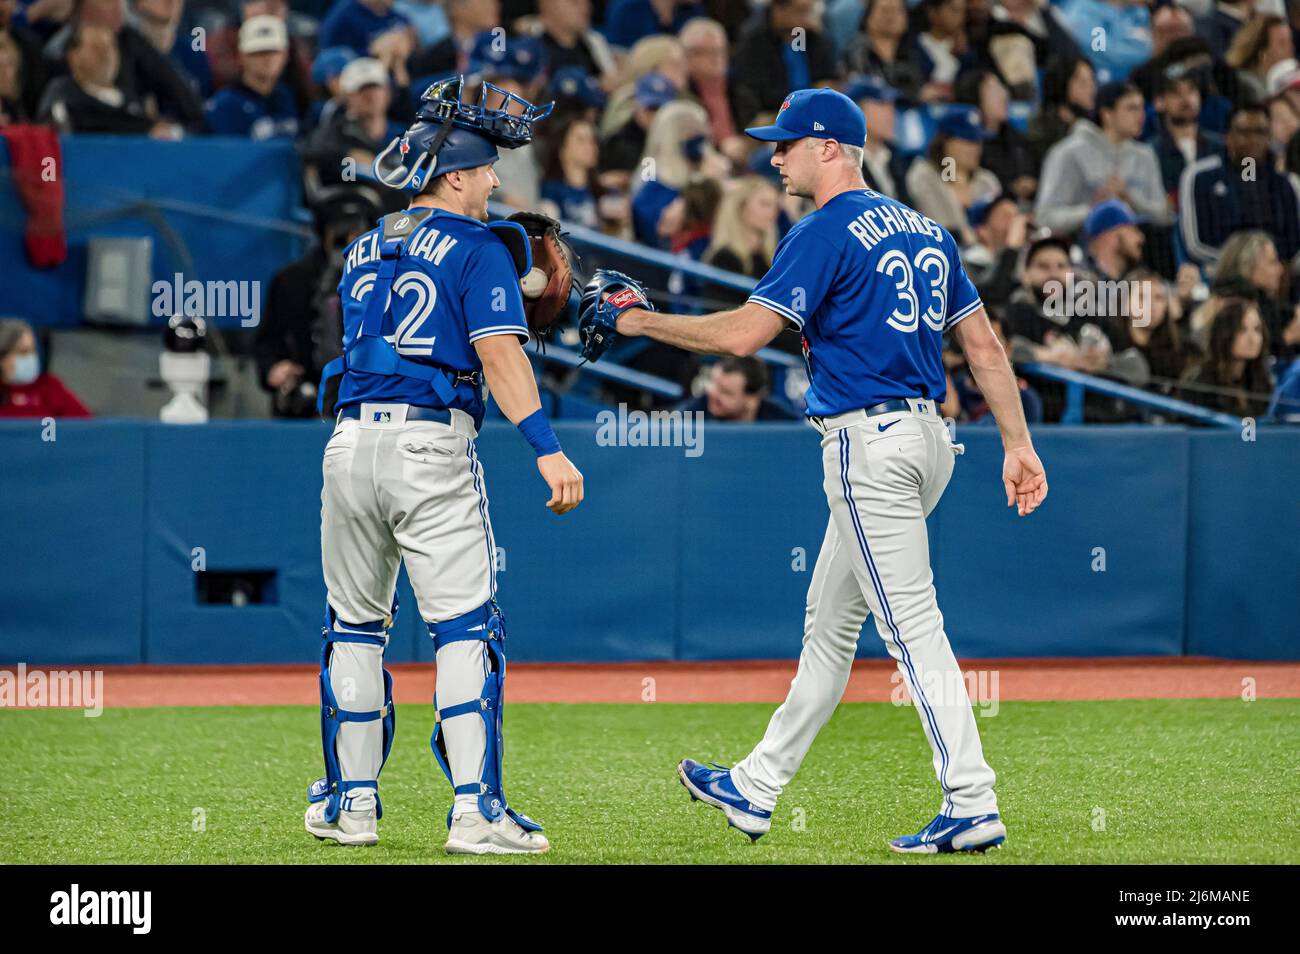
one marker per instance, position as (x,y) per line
(818,127)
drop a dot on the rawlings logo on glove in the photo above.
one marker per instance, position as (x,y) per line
(607,295)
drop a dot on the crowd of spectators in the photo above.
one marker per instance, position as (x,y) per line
(1121,174)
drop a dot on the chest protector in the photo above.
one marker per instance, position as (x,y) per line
(372,351)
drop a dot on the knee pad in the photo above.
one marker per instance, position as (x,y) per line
(485,624)
(333,788)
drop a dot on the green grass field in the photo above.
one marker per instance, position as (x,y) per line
(1079,782)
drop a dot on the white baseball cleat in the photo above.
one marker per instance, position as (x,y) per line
(357,827)
(472,834)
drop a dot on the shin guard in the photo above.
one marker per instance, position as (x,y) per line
(485,624)
(333,788)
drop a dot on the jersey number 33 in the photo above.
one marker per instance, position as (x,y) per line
(929,267)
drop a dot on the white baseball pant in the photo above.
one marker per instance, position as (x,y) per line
(409,492)
(883,475)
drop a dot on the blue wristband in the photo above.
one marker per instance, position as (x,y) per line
(537,431)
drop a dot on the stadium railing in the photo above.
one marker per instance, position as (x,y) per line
(1076,383)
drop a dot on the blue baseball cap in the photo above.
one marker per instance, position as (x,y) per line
(979,211)
(964,124)
(330,62)
(820,113)
(520,58)
(575,83)
(654,90)
(871,88)
(1108,215)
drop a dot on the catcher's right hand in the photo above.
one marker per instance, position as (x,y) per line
(607,295)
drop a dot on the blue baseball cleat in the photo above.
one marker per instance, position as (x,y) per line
(711,784)
(946,834)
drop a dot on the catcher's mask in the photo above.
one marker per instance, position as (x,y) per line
(449,135)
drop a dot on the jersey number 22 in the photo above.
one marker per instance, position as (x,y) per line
(407,339)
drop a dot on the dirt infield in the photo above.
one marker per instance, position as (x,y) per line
(872,681)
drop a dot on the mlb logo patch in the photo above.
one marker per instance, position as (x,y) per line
(625,298)
(785,104)
(405,145)
(382,417)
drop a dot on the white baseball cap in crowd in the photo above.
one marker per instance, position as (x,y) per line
(362,72)
(1282,77)
(262,33)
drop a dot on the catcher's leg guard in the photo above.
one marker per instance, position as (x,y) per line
(485,624)
(334,788)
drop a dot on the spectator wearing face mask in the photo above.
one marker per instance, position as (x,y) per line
(677,149)
(26,391)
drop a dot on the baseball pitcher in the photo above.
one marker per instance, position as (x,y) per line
(432,311)
(872,285)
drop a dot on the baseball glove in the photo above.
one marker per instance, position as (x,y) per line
(546,288)
(607,295)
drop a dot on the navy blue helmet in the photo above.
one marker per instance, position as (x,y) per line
(449,135)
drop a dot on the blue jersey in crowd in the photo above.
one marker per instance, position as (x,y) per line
(456,283)
(352,25)
(575,204)
(240,111)
(873,285)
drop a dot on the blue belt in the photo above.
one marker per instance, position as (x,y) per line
(413,413)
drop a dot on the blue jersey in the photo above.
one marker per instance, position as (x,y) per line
(455,283)
(240,111)
(872,285)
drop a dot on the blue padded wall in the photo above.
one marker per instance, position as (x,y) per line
(670,557)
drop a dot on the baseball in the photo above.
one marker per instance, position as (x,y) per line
(534,283)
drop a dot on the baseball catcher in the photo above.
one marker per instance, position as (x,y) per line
(433,310)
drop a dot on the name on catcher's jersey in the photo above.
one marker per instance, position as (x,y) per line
(872,285)
(455,284)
